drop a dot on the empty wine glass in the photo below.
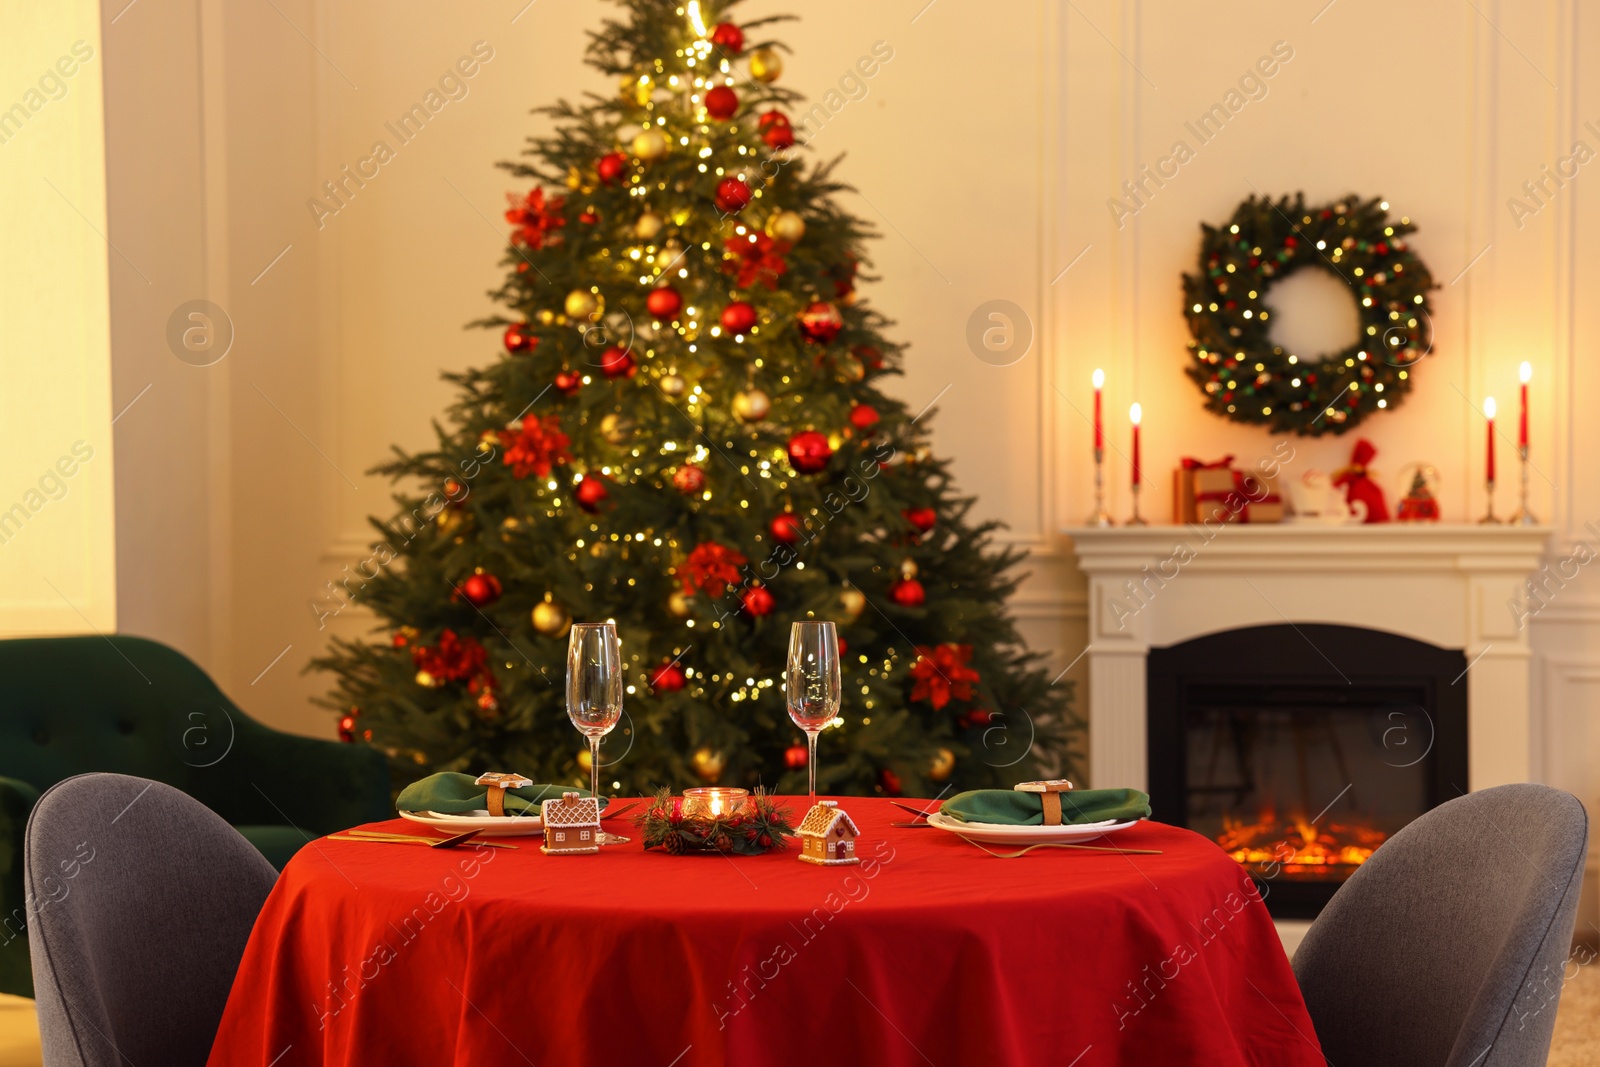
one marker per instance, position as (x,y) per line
(811,683)
(594,687)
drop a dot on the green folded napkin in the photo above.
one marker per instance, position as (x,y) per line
(1011,807)
(453,793)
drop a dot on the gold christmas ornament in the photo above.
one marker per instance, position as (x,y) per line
(752,405)
(680,606)
(550,618)
(853,601)
(673,385)
(584,760)
(944,761)
(574,178)
(582,304)
(648,225)
(786,226)
(449,520)
(708,764)
(851,369)
(651,144)
(546,317)
(765,65)
(669,254)
(908,569)
(616,429)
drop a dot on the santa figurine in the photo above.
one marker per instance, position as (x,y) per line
(1358,483)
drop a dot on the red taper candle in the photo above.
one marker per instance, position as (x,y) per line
(1099,423)
(1137,415)
(1488,413)
(1522,423)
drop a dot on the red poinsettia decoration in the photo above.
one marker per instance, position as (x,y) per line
(535,447)
(711,568)
(941,672)
(456,659)
(534,218)
(754,259)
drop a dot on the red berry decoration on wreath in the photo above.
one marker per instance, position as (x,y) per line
(908,593)
(922,518)
(518,338)
(758,600)
(668,678)
(617,363)
(568,382)
(721,103)
(611,167)
(863,416)
(480,589)
(733,196)
(786,527)
(739,317)
(821,322)
(809,451)
(728,37)
(591,493)
(664,302)
(688,479)
(794,757)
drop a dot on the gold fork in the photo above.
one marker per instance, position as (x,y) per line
(1052,844)
(413,839)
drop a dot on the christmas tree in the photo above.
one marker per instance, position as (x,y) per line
(685,433)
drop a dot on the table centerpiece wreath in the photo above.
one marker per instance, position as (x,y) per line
(757,827)
(1247,378)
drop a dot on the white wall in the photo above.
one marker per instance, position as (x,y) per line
(986,152)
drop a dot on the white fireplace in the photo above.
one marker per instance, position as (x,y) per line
(1457,587)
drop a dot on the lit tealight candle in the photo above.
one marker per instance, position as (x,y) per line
(714,801)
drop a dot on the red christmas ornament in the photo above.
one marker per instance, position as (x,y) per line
(588,217)
(758,601)
(908,593)
(347,728)
(772,118)
(821,322)
(519,339)
(754,259)
(941,673)
(535,447)
(668,678)
(710,569)
(776,130)
(664,302)
(733,196)
(455,659)
(795,756)
(844,646)
(728,37)
(786,527)
(591,493)
(611,167)
(569,382)
(809,451)
(922,518)
(481,590)
(721,103)
(617,363)
(869,356)
(890,782)
(739,317)
(688,479)
(863,416)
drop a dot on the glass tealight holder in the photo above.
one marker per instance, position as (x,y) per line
(709,802)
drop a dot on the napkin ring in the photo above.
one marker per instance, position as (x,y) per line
(1050,799)
(498,782)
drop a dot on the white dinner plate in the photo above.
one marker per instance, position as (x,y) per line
(1006,834)
(490,825)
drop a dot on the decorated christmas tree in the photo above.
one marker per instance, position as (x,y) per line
(685,433)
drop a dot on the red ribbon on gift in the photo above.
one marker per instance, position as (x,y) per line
(1189,463)
(1241,484)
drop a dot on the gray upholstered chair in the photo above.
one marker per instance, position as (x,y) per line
(141,901)
(1448,947)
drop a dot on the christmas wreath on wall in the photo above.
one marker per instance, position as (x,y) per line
(1247,378)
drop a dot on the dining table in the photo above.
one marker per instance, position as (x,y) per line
(933,950)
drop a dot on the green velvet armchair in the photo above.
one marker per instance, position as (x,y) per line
(69,705)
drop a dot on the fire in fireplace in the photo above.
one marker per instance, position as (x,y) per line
(1301,749)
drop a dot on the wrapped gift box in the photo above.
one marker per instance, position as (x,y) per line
(1216,492)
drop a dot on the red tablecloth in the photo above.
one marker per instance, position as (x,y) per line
(929,952)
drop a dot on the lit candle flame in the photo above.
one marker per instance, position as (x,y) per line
(1526,372)
(1099,377)
(1488,407)
(1136,413)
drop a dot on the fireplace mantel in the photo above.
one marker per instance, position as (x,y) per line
(1452,586)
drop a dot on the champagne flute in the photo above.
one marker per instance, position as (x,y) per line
(811,683)
(594,687)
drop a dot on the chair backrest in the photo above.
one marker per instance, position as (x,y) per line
(141,900)
(1448,946)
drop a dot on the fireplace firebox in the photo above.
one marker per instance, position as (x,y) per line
(1300,748)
